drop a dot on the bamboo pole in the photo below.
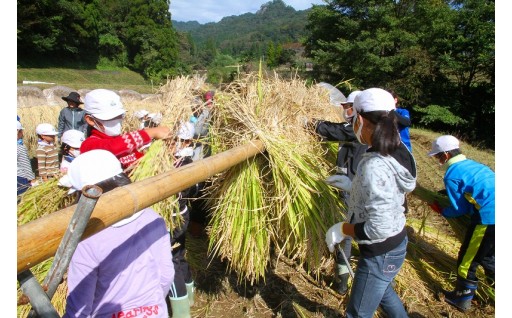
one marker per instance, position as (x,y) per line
(38,240)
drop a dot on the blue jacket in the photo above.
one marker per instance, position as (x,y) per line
(471,189)
(404,121)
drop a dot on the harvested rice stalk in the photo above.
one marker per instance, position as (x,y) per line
(156,160)
(43,199)
(241,226)
(177,99)
(459,224)
(297,204)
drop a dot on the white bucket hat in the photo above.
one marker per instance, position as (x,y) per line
(90,168)
(444,143)
(73,138)
(374,99)
(103,104)
(46,129)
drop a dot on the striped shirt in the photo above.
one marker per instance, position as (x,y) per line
(24,167)
(47,160)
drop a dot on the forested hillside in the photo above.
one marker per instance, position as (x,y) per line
(438,56)
(249,35)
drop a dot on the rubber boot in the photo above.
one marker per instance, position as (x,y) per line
(180,307)
(190,292)
(343,284)
(462,295)
(342,277)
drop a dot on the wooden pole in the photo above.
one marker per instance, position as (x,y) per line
(38,240)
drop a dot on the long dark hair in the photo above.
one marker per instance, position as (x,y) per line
(385,137)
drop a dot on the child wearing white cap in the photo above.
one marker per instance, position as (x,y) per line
(376,219)
(350,152)
(70,148)
(142,116)
(126,269)
(46,152)
(25,175)
(104,115)
(470,186)
(181,294)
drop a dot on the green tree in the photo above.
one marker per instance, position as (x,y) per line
(271,55)
(52,31)
(429,52)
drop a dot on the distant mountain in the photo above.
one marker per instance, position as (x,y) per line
(235,35)
(186,26)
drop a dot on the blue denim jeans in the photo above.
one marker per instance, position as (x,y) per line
(372,285)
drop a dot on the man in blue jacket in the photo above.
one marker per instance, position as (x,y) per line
(470,187)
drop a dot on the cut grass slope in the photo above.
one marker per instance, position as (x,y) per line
(86,79)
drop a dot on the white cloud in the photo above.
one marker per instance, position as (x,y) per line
(204,11)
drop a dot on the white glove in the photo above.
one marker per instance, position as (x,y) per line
(334,235)
(340,181)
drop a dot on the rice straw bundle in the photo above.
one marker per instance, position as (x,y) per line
(177,99)
(279,197)
(459,224)
(157,159)
(241,226)
(36,202)
(43,199)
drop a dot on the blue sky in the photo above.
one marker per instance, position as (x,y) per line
(204,11)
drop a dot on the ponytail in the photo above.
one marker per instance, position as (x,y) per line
(385,137)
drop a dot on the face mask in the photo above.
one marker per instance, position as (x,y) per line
(20,141)
(75,152)
(112,127)
(359,130)
(348,117)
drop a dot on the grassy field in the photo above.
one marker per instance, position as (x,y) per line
(85,79)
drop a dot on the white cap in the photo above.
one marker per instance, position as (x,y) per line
(92,167)
(103,104)
(141,113)
(155,117)
(444,143)
(46,129)
(18,124)
(186,131)
(73,138)
(374,99)
(351,97)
